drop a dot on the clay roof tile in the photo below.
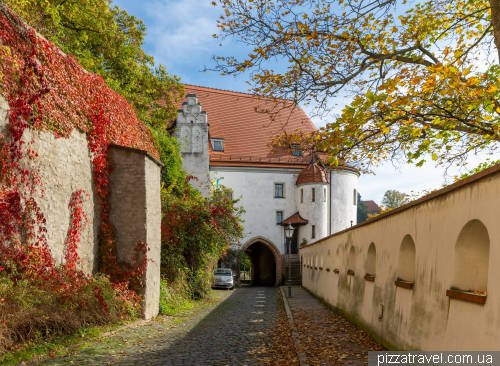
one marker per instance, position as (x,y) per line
(295,219)
(239,119)
(313,174)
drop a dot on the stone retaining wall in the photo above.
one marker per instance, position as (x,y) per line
(65,167)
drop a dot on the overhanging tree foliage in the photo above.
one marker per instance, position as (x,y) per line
(107,41)
(423,79)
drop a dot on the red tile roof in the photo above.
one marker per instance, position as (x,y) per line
(295,219)
(232,116)
(312,174)
(372,207)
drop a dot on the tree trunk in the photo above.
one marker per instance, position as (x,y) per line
(495,21)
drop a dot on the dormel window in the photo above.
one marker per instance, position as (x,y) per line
(296,150)
(279,217)
(217,145)
(278,190)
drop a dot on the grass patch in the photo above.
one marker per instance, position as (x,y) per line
(57,346)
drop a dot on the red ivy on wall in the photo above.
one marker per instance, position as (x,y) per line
(49,91)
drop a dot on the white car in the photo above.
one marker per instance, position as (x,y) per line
(223,278)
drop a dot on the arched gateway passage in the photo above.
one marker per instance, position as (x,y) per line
(266,261)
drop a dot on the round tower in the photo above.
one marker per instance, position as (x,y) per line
(344,198)
(312,202)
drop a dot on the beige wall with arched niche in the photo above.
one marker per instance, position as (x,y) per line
(443,244)
(472,254)
(371,260)
(406,267)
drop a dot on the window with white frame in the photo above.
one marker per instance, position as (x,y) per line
(279,190)
(279,217)
(217,145)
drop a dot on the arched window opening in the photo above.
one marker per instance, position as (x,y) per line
(406,267)
(371,260)
(351,262)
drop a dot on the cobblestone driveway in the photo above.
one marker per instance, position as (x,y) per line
(221,334)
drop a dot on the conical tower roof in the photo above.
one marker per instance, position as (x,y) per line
(314,173)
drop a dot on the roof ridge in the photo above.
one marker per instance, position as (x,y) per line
(226,91)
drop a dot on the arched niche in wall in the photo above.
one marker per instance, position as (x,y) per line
(328,260)
(371,260)
(337,259)
(472,256)
(316,260)
(351,261)
(197,139)
(321,260)
(407,256)
(185,139)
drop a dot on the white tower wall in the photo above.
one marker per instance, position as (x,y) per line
(192,133)
(315,212)
(344,199)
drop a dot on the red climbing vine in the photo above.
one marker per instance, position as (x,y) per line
(49,91)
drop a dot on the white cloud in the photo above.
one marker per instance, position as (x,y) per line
(182,33)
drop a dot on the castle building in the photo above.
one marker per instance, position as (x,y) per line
(225,135)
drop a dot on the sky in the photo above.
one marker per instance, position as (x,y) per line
(180,36)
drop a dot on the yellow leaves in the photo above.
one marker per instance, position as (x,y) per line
(434,156)
(491,89)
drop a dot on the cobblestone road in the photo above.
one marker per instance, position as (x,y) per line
(223,333)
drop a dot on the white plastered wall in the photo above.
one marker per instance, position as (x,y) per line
(343,209)
(315,212)
(256,188)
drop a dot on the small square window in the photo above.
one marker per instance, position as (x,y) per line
(229,196)
(355,197)
(296,150)
(301,195)
(278,190)
(279,217)
(314,195)
(313,231)
(218,145)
